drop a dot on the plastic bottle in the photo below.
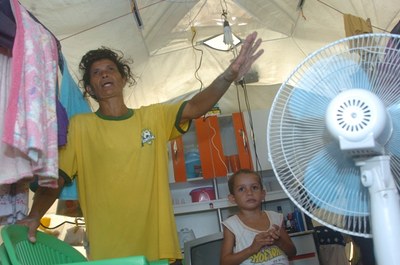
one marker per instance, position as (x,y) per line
(299,220)
(290,224)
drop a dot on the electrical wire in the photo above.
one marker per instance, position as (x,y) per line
(224,7)
(258,167)
(242,83)
(196,73)
(215,147)
(65,222)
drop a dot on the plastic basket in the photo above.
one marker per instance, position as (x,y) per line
(47,250)
(134,260)
(4,260)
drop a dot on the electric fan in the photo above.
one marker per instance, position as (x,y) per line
(334,139)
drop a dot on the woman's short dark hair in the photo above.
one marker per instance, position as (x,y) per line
(231,181)
(104,53)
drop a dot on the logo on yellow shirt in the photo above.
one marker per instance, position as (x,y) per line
(147,137)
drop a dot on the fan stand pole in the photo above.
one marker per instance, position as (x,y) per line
(385,208)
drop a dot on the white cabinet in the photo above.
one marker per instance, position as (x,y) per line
(205,217)
(306,250)
(256,123)
(235,133)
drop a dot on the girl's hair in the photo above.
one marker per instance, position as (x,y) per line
(231,181)
(104,53)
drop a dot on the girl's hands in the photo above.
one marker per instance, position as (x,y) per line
(266,238)
(275,232)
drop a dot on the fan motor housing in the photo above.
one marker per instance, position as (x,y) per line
(358,119)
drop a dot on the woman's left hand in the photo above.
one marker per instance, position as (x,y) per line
(249,53)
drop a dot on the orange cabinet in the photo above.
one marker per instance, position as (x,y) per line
(178,159)
(219,140)
(242,141)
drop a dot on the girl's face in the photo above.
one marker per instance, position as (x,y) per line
(248,193)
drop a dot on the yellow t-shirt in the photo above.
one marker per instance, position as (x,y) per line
(121,166)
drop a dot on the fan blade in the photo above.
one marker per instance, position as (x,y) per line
(314,110)
(333,183)
(393,145)
(321,82)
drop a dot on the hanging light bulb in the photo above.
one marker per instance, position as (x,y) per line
(228,38)
(217,42)
(226,41)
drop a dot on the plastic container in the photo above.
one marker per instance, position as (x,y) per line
(69,191)
(298,220)
(185,235)
(192,164)
(202,194)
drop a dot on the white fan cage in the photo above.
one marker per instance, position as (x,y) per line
(297,136)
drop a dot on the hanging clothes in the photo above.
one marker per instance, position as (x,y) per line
(72,99)
(13,163)
(13,193)
(13,202)
(71,96)
(30,121)
(354,25)
(7,25)
(396,29)
(387,67)
(62,124)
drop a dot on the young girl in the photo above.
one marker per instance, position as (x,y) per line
(253,236)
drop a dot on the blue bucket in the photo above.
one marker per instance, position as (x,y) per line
(69,192)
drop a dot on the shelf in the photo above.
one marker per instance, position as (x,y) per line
(191,183)
(302,233)
(275,196)
(201,206)
(220,204)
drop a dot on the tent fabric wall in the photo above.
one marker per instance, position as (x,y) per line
(164,59)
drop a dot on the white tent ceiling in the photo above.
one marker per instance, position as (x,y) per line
(166,52)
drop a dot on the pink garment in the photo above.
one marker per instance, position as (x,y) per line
(30,122)
(13,163)
(13,194)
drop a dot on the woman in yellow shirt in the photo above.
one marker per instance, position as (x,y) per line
(119,158)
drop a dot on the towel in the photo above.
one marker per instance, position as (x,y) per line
(354,25)
(71,96)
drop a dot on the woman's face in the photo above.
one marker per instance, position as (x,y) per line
(105,80)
